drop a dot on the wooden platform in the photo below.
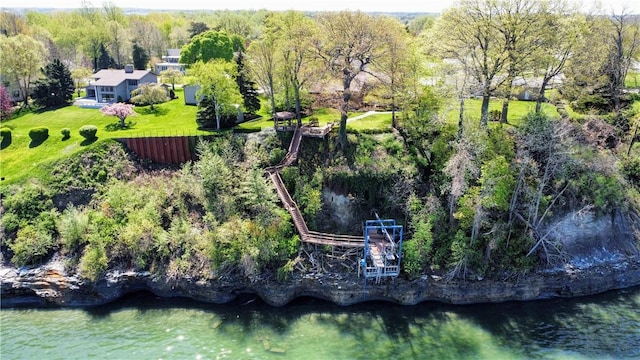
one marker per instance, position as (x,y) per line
(312,237)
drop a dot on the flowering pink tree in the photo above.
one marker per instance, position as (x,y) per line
(119,110)
(6,106)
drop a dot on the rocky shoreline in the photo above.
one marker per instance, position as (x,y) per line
(50,285)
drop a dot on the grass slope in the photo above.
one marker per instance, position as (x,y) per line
(22,159)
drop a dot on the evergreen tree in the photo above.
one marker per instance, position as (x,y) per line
(206,115)
(56,88)
(247,88)
(140,57)
(105,61)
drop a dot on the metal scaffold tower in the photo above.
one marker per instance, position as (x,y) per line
(382,249)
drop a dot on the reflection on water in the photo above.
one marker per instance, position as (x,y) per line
(144,326)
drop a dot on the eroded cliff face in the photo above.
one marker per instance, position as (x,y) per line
(602,255)
(50,285)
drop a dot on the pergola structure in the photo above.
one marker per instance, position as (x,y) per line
(282,120)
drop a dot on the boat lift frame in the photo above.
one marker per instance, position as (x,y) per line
(382,253)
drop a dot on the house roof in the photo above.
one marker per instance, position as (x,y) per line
(112,77)
(173,52)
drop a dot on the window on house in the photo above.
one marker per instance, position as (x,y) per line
(107,88)
(132,82)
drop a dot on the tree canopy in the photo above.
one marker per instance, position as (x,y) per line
(206,46)
(56,88)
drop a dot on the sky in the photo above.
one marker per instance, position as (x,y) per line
(421,6)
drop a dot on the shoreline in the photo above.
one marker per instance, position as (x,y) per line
(50,286)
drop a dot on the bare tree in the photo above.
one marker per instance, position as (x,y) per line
(623,47)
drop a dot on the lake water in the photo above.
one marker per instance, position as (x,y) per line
(142,326)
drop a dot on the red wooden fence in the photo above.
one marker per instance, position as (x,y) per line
(164,150)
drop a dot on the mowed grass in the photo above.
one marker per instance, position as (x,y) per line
(376,122)
(22,159)
(517,110)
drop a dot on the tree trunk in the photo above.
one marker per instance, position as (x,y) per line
(122,123)
(341,142)
(505,102)
(541,98)
(272,99)
(461,119)
(296,94)
(633,138)
(505,111)
(217,108)
(484,115)
(342,132)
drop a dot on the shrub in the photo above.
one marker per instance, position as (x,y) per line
(94,261)
(5,132)
(88,132)
(5,137)
(73,227)
(631,169)
(66,133)
(31,246)
(39,134)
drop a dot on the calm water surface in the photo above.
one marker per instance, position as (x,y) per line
(143,326)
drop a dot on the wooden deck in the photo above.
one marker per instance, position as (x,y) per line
(312,237)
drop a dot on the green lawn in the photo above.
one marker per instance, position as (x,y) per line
(373,122)
(21,159)
(517,110)
(632,81)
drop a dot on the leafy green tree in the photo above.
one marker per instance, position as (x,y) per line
(397,65)
(349,45)
(262,65)
(80,76)
(140,57)
(206,46)
(469,34)
(116,23)
(216,80)
(557,45)
(295,34)
(149,94)
(56,88)
(24,62)
(171,76)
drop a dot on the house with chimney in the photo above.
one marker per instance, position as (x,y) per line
(116,85)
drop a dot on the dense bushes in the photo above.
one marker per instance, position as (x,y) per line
(38,134)
(88,132)
(66,133)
